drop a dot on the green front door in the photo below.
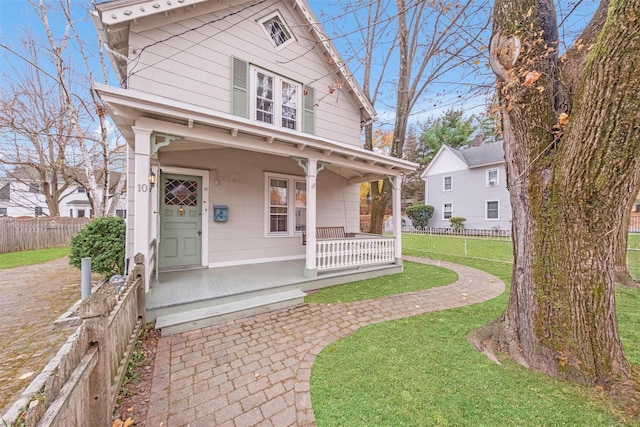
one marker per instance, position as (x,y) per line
(180,221)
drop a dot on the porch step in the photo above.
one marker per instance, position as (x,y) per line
(194,319)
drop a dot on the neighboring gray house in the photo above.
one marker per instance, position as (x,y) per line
(469,183)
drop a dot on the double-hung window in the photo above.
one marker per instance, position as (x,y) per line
(493,209)
(492,178)
(447,183)
(276,100)
(286,205)
(267,97)
(447,210)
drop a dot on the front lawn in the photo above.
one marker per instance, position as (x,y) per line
(38,256)
(414,278)
(421,371)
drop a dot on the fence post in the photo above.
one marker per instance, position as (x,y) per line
(85,282)
(95,313)
(139,273)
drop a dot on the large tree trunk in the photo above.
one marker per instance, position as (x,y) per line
(570,183)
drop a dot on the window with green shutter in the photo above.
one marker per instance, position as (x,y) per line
(270,98)
(239,87)
(308,120)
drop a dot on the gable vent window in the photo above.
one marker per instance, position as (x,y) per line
(277,30)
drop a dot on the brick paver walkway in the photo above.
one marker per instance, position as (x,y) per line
(256,370)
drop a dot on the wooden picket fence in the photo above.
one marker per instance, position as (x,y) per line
(18,234)
(80,385)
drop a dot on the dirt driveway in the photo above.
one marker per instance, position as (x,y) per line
(31,299)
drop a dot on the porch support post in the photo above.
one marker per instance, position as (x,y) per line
(311,269)
(142,212)
(397,217)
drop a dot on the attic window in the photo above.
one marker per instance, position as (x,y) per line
(276,29)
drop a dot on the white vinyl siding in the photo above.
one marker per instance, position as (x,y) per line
(493,210)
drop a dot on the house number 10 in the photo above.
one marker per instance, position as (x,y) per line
(143,188)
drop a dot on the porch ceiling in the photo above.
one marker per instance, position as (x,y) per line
(201,128)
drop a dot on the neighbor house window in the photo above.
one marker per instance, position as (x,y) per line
(81,189)
(286,205)
(447,183)
(122,213)
(5,192)
(71,213)
(34,188)
(80,213)
(3,211)
(447,210)
(493,209)
(39,211)
(276,100)
(277,30)
(492,178)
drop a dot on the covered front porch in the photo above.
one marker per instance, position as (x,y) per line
(184,300)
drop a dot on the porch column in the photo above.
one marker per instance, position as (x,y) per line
(397,217)
(311,270)
(142,199)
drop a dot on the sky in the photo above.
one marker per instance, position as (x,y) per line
(17,14)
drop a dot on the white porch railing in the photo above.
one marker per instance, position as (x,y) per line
(354,252)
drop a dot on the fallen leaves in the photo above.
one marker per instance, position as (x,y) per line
(563,119)
(119,423)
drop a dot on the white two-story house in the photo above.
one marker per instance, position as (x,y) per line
(244,127)
(469,183)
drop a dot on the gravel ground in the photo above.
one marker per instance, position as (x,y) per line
(31,299)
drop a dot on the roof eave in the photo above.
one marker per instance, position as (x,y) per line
(160,106)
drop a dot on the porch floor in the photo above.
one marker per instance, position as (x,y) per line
(189,286)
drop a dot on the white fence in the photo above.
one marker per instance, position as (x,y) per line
(354,252)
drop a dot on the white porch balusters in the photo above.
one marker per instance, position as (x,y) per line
(142,197)
(311,270)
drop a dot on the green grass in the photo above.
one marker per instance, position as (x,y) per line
(18,259)
(414,278)
(421,371)
(497,249)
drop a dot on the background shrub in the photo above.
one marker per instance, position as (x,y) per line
(103,240)
(419,215)
(457,223)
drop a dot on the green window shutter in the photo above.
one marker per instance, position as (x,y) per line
(239,87)
(308,117)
